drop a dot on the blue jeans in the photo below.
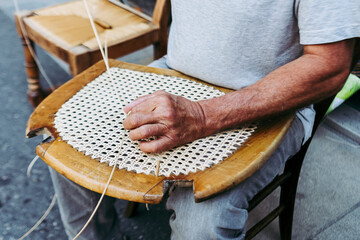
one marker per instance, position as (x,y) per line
(221,217)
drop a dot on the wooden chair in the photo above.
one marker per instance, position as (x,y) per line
(65,32)
(288,180)
(141,187)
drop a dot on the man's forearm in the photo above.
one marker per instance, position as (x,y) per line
(174,120)
(318,74)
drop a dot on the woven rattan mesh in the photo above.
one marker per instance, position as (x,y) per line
(91,122)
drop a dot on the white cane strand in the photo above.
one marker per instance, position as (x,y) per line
(105,58)
(41,219)
(103,194)
(96,34)
(28,172)
(104,53)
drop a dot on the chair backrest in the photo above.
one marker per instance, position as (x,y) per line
(160,18)
(161,13)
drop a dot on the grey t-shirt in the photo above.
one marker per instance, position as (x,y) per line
(235,43)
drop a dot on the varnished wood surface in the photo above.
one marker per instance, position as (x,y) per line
(60,28)
(140,187)
(64,31)
(58,21)
(94,175)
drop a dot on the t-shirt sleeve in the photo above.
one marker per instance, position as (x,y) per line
(326,21)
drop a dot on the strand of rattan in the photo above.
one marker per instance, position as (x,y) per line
(104,54)
(103,194)
(41,219)
(96,35)
(51,85)
(123,137)
(32,52)
(28,171)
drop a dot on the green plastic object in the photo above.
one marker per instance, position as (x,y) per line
(352,85)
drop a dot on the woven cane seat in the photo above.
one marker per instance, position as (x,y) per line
(84,118)
(90,122)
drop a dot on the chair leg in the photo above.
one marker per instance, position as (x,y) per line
(287,199)
(35,94)
(160,49)
(288,193)
(131,209)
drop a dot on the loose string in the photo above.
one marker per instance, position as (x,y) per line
(106,49)
(105,57)
(106,61)
(48,210)
(103,194)
(96,34)
(157,184)
(104,53)
(28,171)
(51,85)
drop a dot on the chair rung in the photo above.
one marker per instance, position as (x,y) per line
(267,190)
(264,222)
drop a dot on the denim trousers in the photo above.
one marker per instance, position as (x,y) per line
(220,217)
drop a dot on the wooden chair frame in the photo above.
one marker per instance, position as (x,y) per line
(128,185)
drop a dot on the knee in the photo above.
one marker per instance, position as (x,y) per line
(212,219)
(231,223)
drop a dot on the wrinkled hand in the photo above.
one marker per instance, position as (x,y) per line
(171,119)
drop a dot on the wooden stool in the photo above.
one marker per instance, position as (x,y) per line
(64,31)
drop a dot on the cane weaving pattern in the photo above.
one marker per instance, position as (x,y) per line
(91,122)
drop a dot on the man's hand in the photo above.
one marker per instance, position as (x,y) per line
(171,119)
